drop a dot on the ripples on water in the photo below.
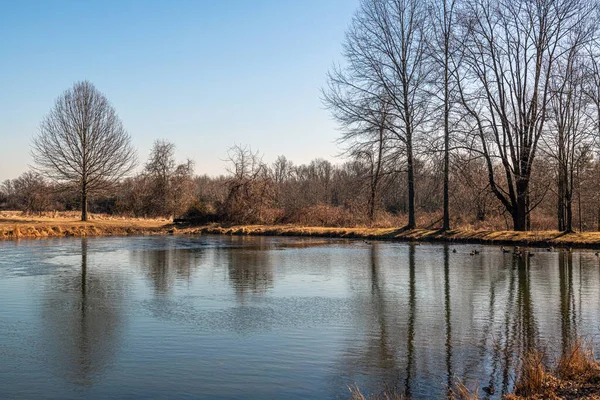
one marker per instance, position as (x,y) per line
(238,317)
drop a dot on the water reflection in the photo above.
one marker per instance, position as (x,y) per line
(169,261)
(83,320)
(448,319)
(242,315)
(568,314)
(249,268)
(411,320)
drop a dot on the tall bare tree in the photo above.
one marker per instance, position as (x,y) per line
(571,128)
(444,56)
(385,48)
(82,141)
(511,50)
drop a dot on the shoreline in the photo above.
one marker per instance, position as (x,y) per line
(15,229)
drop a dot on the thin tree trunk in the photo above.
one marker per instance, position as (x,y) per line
(84,203)
(579,211)
(561,203)
(411,184)
(446,225)
(569,212)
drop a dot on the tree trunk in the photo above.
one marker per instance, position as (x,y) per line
(568,202)
(372,205)
(561,203)
(520,211)
(411,184)
(569,212)
(446,225)
(84,203)
(579,210)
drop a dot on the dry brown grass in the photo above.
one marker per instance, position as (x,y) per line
(533,379)
(460,391)
(578,363)
(387,394)
(532,238)
(575,375)
(15,225)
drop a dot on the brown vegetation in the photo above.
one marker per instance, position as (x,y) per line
(18,225)
(14,225)
(575,375)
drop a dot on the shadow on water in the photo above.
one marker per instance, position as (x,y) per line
(83,321)
(387,356)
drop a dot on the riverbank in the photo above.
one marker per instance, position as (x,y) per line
(15,226)
(510,238)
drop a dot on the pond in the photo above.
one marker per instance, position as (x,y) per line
(256,317)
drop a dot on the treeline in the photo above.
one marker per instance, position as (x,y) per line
(513,85)
(454,113)
(318,193)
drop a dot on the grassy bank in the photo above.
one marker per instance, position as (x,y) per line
(14,226)
(537,238)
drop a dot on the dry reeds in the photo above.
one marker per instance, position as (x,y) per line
(532,379)
(578,363)
(387,394)
(460,391)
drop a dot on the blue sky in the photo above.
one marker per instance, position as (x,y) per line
(203,74)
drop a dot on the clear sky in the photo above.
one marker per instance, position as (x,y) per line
(203,74)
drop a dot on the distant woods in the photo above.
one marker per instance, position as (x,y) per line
(453,114)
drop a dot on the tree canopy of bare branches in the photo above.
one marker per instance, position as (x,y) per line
(385,50)
(82,141)
(511,51)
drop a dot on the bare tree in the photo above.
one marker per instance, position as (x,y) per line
(158,170)
(386,52)
(82,141)
(571,128)
(442,50)
(373,148)
(511,51)
(251,192)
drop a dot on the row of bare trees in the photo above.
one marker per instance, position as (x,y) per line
(316,193)
(505,82)
(453,112)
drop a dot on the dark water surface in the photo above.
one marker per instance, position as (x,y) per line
(236,317)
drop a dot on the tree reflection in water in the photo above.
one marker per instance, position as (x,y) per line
(83,321)
(468,318)
(249,266)
(168,261)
